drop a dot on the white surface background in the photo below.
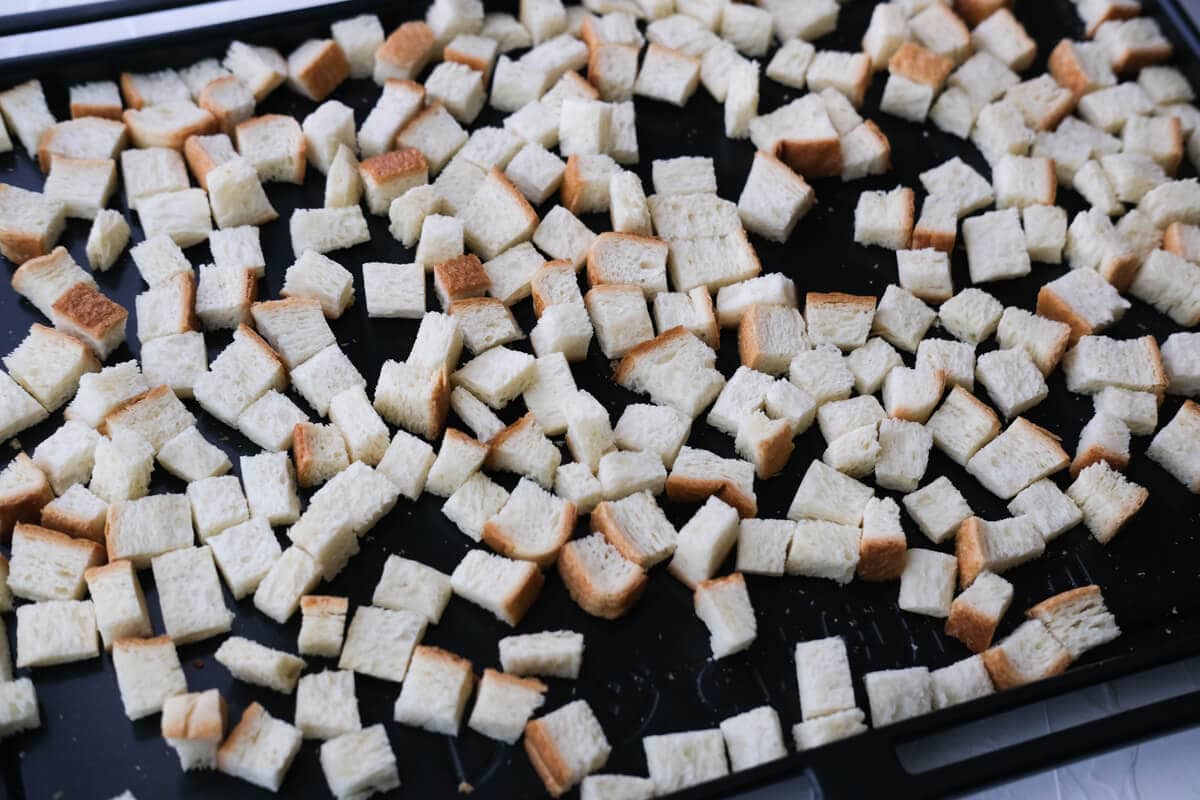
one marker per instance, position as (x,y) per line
(1160,769)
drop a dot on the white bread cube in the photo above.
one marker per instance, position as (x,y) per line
(26,113)
(1051,511)
(884,218)
(829,728)
(1045,232)
(293,575)
(1165,281)
(270,420)
(637,527)
(898,694)
(1099,361)
(839,319)
(557,654)
(692,310)
(698,474)
(275,146)
(406,463)
(48,365)
(358,37)
(971,315)
(503,704)
(902,318)
(839,417)
(995,546)
(1078,619)
(1027,654)
(317,276)
(189,595)
(262,69)
(324,229)
(365,433)
(565,745)
(1171,446)
(56,632)
(561,236)
(1132,175)
(1107,499)
(1103,438)
(435,691)
(822,549)
(159,259)
(167,309)
(912,394)
(260,749)
(413,397)
(48,565)
(657,367)
(184,216)
(536,172)
(1173,201)
(576,483)
(774,198)
(823,675)
(380,642)
(938,508)
(325,375)
(658,429)
(903,454)
(359,764)
(394,290)
(326,707)
(704,542)
(854,452)
(1013,381)
(190,457)
(532,524)
(770,336)
(32,223)
(19,408)
(343,183)
(544,397)
(620,318)
(66,456)
(957,182)
(295,327)
(678,761)
(223,296)
(962,425)
(245,554)
(955,359)
(475,414)
(996,246)
(1138,410)
(148,673)
(435,133)
(927,583)
(405,52)
(82,185)
(1016,458)
(167,124)
(399,103)
(937,228)
(821,373)
(322,629)
(925,273)
(236,196)
(407,585)
(270,484)
(193,725)
(122,467)
(976,612)
(77,512)
(257,664)
(763,545)
(217,504)
(589,431)
(497,375)
(500,585)
(826,494)
(628,206)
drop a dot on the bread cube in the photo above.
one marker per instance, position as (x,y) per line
(55,632)
(324,376)
(995,546)
(976,612)
(1027,654)
(1170,447)
(189,595)
(829,728)
(148,673)
(503,704)
(502,586)
(667,75)
(405,52)
(898,694)
(48,565)
(823,675)
(270,484)
(257,664)
(1107,499)
(95,99)
(358,37)
(962,425)
(1078,619)
(927,583)
(245,554)
(193,725)
(326,707)
(1098,361)
(565,745)
(940,29)
(217,504)
(938,509)
(77,512)
(884,218)
(260,749)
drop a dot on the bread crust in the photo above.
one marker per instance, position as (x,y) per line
(920,65)
(123,409)
(305,453)
(241,735)
(28,530)
(1132,59)
(468,60)
(595,255)
(974,12)
(199,160)
(971,626)
(46,152)
(541,301)
(408,47)
(394,165)
(325,71)
(772,454)
(260,343)
(1051,306)
(529,684)
(1174,240)
(24,505)
(588,596)
(193,723)
(516,605)
(1006,675)
(573,186)
(968,548)
(462,277)
(506,544)
(696,489)
(176,137)
(812,158)
(73,525)
(1066,67)
(210,101)
(80,110)
(1084,459)
(546,759)
(932,237)
(90,311)
(324,605)
(1053,605)
(881,559)
(515,429)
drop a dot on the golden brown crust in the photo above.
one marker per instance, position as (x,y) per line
(695,489)
(94,552)
(1063,600)
(1051,306)
(452,660)
(304,452)
(547,761)
(324,605)
(861,301)
(735,578)
(970,626)
(80,110)
(1154,356)
(812,158)
(750,339)
(529,684)
(1067,68)
(602,520)
(773,452)
(461,277)
(242,734)
(211,102)
(573,186)
(932,237)
(408,47)
(920,65)
(20,247)
(193,718)
(968,548)
(121,567)
(1006,675)
(1113,11)
(91,312)
(175,140)
(24,505)
(881,559)
(129,91)
(515,606)
(542,300)
(393,165)
(46,142)
(325,71)
(468,60)
(1131,59)
(515,429)
(251,336)
(1085,458)
(60,520)
(125,408)
(199,160)
(974,12)
(588,596)
(1174,240)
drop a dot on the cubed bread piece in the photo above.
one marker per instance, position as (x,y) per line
(692,310)
(319,277)
(245,554)
(885,218)
(532,524)
(976,612)
(32,224)
(193,725)
(938,508)
(26,113)
(217,504)
(1099,361)
(637,527)
(1027,654)
(927,583)
(557,654)
(148,673)
(667,75)
(956,182)
(565,745)
(955,359)
(102,392)
(1103,438)
(774,198)
(260,665)
(912,394)
(1167,282)
(823,675)
(326,707)
(829,728)
(48,365)
(270,484)
(839,319)
(189,595)
(1107,499)
(1078,619)
(77,512)
(1013,381)
(898,694)
(260,749)
(995,546)
(1016,458)
(380,642)
(56,632)
(48,565)
(601,580)
(826,494)
(316,68)
(82,185)
(1171,446)
(942,31)
(502,586)
(96,99)
(996,245)
(324,376)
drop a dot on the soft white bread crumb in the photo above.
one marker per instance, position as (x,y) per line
(269,480)
(359,763)
(1028,654)
(294,574)
(56,632)
(148,673)
(823,675)
(822,549)
(898,694)
(380,642)
(260,665)
(502,586)
(1107,499)
(1099,361)
(260,749)
(190,457)
(19,701)
(326,706)
(504,703)
(927,583)
(677,761)
(996,246)
(976,612)
(826,494)
(217,504)
(435,691)
(193,725)
(245,554)
(995,546)
(189,595)
(961,681)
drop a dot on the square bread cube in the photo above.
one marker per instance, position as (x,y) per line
(1013,381)
(955,359)
(260,749)
(254,663)
(667,75)
(1024,453)
(270,420)
(839,319)
(190,457)
(270,485)
(927,582)
(1107,499)
(504,703)
(971,315)
(829,728)
(360,763)
(324,376)
(996,246)
(294,574)
(1171,446)
(1078,619)
(961,681)
(823,675)
(1045,232)
(217,504)
(189,595)
(380,642)
(244,554)
(898,694)
(184,216)
(77,512)
(957,182)
(885,218)
(567,744)
(148,673)
(326,706)
(938,508)
(912,394)
(677,761)
(962,425)
(995,546)
(56,632)
(435,691)
(822,549)
(193,725)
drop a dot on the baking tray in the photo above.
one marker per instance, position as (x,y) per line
(649,673)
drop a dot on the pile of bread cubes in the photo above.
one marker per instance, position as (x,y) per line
(1109,120)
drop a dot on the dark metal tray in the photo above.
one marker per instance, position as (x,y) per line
(651,672)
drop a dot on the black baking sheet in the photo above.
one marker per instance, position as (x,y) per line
(649,673)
